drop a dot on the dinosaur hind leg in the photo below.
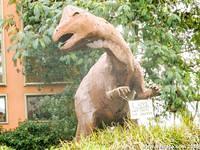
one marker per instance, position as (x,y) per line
(85,127)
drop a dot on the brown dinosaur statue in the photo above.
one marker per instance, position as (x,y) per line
(101,96)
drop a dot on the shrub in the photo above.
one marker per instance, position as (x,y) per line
(30,135)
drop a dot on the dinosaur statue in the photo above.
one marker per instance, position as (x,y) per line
(102,94)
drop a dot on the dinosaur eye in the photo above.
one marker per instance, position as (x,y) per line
(76,13)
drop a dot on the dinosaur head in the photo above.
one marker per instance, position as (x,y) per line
(69,30)
(78,27)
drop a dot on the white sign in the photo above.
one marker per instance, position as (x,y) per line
(141,108)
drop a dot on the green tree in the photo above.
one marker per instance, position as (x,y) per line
(164,33)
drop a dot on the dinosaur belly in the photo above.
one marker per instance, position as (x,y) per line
(91,96)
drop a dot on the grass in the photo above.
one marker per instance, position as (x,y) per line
(5,148)
(131,136)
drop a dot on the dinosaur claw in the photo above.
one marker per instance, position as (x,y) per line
(155,90)
(122,92)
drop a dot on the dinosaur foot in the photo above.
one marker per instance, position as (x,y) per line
(122,92)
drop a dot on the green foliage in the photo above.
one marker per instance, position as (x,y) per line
(167,38)
(133,137)
(30,135)
(165,35)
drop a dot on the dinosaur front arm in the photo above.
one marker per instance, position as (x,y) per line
(122,92)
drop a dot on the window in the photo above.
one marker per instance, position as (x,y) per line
(45,66)
(3,109)
(38,71)
(2,74)
(37,107)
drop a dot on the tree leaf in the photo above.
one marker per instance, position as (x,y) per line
(35,44)
(37,12)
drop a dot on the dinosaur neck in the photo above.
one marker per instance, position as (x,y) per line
(110,46)
(118,49)
(121,56)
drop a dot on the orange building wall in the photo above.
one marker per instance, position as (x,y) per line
(15,88)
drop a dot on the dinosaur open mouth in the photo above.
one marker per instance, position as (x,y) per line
(64,38)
